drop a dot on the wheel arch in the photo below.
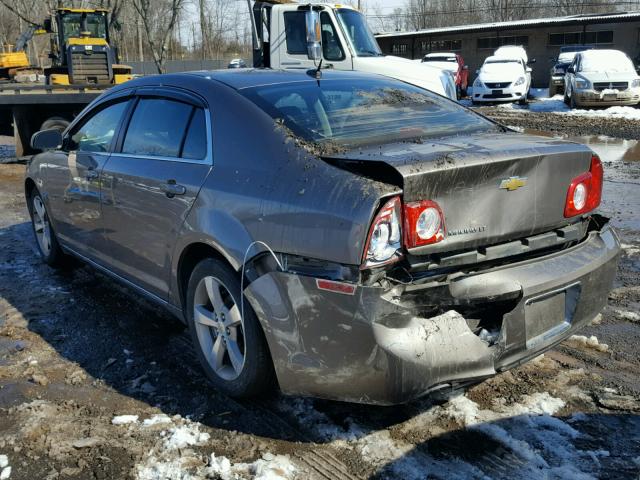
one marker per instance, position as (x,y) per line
(29,187)
(189,257)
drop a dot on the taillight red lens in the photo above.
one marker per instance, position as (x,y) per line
(585,191)
(423,223)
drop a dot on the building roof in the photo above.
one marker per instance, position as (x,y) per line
(588,18)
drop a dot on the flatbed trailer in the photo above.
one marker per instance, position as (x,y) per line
(27,108)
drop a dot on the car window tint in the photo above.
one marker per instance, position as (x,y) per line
(157,128)
(95,134)
(296,32)
(195,144)
(331,48)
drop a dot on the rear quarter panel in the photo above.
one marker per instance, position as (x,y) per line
(264,187)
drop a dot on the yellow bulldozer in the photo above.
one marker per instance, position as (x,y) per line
(80,53)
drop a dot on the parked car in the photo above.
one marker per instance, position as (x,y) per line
(454,63)
(513,51)
(559,69)
(237,63)
(337,236)
(501,79)
(601,78)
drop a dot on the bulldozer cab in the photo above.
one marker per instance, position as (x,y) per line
(82,24)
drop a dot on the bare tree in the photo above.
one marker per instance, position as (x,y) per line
(159,19)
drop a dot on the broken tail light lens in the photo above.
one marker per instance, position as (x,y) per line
(423,223)
(585,191)
(385,235)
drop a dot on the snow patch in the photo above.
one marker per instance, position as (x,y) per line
(578,341)
(6,473)
(186,435)
(269,467)
(627,315)
(156,420)
(4,461)
(124,419)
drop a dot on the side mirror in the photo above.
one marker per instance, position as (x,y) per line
(529,70)
(571,69)
(46,25)
(314,38)
(46,140)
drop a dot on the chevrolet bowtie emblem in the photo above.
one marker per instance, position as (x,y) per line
(513,183)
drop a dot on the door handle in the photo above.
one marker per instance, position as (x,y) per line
(171,189)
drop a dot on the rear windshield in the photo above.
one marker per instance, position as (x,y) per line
(440,59)
(364,112)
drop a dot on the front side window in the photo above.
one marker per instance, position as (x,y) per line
(296,33)
(331,48)
(369,113)
(95,134)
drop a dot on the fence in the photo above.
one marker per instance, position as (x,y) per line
(174,66)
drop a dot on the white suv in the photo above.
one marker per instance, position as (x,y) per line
(601,78)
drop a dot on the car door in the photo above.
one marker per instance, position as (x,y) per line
(73,176)
(150,183)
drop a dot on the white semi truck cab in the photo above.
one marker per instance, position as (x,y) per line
(298,36)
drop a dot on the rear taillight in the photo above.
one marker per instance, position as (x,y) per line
(585,191)
(385,236)
(423,223)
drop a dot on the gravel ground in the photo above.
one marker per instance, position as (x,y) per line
(97,383)
(564,124)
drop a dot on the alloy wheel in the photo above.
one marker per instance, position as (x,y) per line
(219,328)
(41,225)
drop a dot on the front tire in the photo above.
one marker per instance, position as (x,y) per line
(46,240)
(572,102)
(232,350)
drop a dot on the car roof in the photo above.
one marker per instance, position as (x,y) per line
(254,77)
(601,53)
(502,58)
(441,54)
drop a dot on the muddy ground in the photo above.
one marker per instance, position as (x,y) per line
(96,383)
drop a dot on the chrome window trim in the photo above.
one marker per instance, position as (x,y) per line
(207,160)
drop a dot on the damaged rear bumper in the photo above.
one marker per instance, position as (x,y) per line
(377,346)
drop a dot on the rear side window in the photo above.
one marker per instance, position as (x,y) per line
(157,128)
(195,142)
(95,134)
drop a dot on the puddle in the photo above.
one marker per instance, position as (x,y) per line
(611,149)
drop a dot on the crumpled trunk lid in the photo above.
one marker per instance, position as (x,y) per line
(492,188)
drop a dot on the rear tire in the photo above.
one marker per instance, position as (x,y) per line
(232,350)
(46,240)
